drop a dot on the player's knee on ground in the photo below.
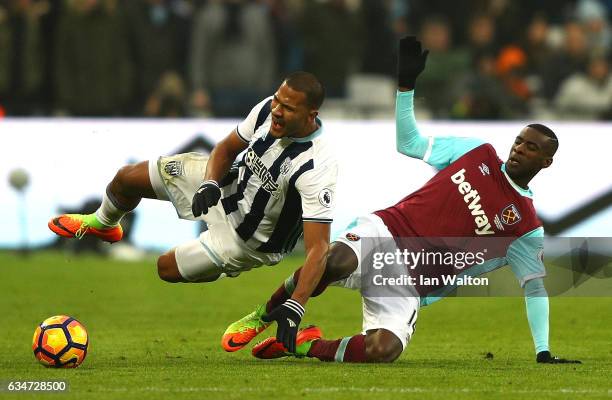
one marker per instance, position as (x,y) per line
(341,262)
(382,346)
(167,268)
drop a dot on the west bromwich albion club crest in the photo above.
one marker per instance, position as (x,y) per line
(510,215)
(174,168)
(285,166)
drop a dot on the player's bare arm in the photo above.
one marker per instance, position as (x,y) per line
(223,155)
(219,163)
(289,314)
(316,242)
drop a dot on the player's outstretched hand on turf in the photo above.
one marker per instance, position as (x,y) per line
(288,317)
(411,61)
(207,195)
(544,357)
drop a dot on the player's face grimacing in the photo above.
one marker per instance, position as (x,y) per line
(291,115)
(530,153)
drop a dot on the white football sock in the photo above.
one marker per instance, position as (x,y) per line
(108,214)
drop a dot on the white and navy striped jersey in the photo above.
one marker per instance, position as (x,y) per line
(277,184)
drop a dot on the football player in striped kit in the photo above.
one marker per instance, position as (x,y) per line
(256,206)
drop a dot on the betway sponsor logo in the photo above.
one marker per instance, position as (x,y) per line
(472,199)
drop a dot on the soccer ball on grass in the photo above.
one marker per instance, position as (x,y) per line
(60,342)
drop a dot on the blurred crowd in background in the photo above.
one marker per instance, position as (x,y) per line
(489,59)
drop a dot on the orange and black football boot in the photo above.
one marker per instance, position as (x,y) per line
(270,348)
(241,332)
(80,225)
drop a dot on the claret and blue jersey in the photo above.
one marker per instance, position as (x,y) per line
(471,196)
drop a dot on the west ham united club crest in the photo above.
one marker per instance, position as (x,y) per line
(353,237)
(510,215)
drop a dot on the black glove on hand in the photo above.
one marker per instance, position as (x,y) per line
(544,357)
(288,317)
(207,195)
(410,62)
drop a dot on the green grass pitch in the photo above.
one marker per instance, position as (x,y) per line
(151,339)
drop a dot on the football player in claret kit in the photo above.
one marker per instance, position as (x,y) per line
(474,195)
(256,207)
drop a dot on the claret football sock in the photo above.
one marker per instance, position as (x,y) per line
(348,349)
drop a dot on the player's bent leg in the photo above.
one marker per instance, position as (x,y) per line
(124,192)
(188,262)
(167,268)
(382,346)
(131,184)
(341,262)
(377,346)
(389,322)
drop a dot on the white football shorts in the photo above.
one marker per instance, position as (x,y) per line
(395,314)
(219,249)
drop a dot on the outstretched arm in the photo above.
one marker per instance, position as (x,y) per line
(524,257)
(536,301)
(316,188)
(316,243)
(438,152)
(289,314)
(411,62)
(408,139)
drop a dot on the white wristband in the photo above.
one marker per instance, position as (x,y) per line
(295,306)
(210,181)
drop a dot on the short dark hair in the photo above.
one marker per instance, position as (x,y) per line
(308,84)
(546,131)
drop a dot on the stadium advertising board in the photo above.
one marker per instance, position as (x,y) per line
(71,161)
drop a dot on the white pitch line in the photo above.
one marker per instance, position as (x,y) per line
(372,389)
(375,389)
